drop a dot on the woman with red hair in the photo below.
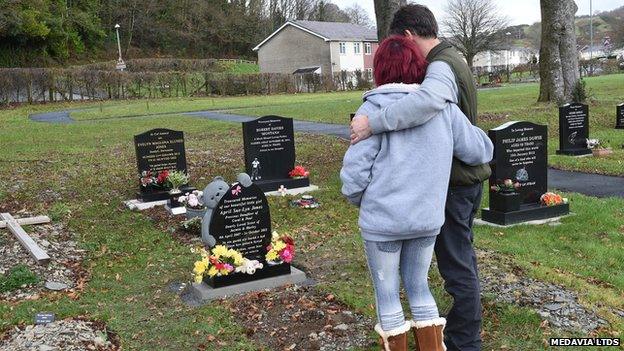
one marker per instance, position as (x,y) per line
(400,182)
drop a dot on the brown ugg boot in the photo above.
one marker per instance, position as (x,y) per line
(395,339)
(429,334)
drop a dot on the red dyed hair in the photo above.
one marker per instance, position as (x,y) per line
(398,60)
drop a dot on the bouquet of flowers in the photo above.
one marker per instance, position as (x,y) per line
(176,179)
(282,248)
(299,172)
(150,179)
(506,186)
(221,261)
(192,200)
(552,199)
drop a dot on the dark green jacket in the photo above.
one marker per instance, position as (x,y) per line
(461,173)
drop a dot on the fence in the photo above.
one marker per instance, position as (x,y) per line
(31,85)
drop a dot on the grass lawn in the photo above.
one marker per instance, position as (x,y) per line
(91,166)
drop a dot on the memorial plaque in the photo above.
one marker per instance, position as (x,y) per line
(160,149)
(242,221)
(619,116)
(521,153)
(269,147)
(44,318)
(573,129)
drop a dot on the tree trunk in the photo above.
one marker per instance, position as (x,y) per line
(559,63)
(384,11)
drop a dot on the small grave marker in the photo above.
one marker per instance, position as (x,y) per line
(44,318)
(619,116)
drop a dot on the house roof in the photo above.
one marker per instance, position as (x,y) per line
(306,70)
(329,31)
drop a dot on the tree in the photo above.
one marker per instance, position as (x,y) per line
(384,11)
(559,61)
(474,26)
(358,15)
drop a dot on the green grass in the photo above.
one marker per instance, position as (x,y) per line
(91,165)
(17,277)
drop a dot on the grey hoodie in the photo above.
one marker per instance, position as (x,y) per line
(400,179)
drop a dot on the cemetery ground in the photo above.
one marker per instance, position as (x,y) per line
(79,174)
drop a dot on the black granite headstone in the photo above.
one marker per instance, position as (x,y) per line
(619,116)
(521,154)
(573,129)
(158,150)
(242,221)
(269,144)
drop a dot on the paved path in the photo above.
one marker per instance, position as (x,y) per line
(577,182)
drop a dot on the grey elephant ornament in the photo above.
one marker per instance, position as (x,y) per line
(212,195)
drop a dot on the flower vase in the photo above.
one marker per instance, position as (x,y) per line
(505,202)
(174,195)
(195,213)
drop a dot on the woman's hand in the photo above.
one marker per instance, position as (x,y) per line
(360,129)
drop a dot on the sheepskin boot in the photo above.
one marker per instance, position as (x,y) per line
(429,334)
(395,339)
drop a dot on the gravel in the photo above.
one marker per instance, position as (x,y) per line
(554,303)
(64,335)
(62,273)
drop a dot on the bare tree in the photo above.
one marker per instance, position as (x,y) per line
(384,11)
(559,61)
(358,15)
(474,26)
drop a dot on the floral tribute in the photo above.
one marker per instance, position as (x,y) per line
(221,261)
(192,200)
(506,186)
(151,179)
(282,249)
(552,199)
(299,172)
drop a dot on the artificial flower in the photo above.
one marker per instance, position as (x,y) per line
(286,256)
(271,255)
(199,278)
(219,250)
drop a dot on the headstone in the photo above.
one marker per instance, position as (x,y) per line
(573,129)
(242,221)
(521,154)
(269,144)
(619,116)
(158,150)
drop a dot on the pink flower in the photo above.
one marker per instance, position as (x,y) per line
(286,255)
(193,201)
(229,267)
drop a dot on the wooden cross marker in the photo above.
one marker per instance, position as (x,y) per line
(27,242)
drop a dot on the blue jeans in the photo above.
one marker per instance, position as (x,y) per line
(457,263)
(390,262)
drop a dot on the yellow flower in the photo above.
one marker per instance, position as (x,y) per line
(219,251)
(274,236)
(212,271)
(200,267)
(238,258)
(232,253)
(198,278)
(271,255)
(279,246)
(224,272)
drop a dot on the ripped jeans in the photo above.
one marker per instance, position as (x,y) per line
(390,262)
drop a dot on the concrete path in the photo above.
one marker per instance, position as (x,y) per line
(577,182)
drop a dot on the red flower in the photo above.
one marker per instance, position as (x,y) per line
(299,171)
(162,176)
(288,240)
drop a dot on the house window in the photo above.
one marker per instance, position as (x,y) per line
(343,48)
(368,48)
(369,73)
(356,48)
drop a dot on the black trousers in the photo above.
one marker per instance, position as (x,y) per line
(457,263)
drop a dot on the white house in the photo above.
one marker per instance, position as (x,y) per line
(514,56)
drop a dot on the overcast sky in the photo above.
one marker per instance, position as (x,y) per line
(518,11)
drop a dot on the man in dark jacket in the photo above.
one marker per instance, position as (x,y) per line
(454,250)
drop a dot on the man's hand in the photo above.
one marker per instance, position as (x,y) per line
(360,129)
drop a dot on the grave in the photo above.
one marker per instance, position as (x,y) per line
(15,226)
(269,144)
(242,221)
(573,130)
(159,150)
(521,154)
(619,116)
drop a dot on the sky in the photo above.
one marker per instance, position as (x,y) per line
(518,11)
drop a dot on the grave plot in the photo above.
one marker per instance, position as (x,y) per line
(22,276)
(301,318)
(67,335)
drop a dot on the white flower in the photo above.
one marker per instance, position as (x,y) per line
(193,201)
(182,199)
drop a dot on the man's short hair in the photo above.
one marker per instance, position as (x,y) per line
(418,19)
